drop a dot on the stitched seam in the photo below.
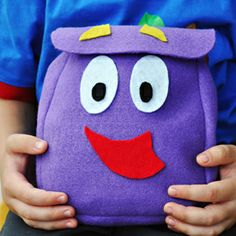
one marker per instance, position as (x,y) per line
(48,107)
(204,112)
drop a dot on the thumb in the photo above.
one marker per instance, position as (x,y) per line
(25,144)
(217,156)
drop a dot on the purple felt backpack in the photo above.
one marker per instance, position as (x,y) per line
(126,110)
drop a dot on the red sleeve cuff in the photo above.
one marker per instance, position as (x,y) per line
(10,92)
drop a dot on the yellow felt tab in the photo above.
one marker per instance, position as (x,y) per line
(96,32)
(3,214)
(192,26)
(154,32)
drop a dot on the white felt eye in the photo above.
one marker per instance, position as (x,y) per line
(99,84)
(149,83)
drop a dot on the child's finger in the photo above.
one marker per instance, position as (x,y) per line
(42,213)
(218,155)
(25,144)
(211,215)
(189,229)
(52,225)
(217,191)
(19,188)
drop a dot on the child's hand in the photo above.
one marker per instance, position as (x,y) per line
(38,208)
(221,213)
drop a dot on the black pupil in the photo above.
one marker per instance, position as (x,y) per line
(145,91)
(99,91)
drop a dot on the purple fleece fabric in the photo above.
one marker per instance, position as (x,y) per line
(183,127)
(181,42)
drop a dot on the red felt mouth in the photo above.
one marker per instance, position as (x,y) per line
(133,158)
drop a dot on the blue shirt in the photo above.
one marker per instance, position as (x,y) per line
(26,49)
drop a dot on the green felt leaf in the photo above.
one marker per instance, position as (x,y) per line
(151,20)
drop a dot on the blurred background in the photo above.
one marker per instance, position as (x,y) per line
(0,193)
